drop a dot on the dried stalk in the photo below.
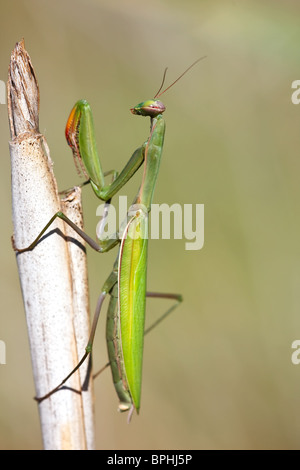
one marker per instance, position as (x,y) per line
(50,290)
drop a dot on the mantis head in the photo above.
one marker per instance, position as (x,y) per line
(154,107)
(149,108)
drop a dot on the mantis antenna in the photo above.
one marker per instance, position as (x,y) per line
(158,94)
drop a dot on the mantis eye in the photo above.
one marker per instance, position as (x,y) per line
(149,108)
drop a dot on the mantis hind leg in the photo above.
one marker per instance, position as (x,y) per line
(108,285)
(158,295)
(88,350)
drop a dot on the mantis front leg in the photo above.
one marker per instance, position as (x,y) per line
(80,135)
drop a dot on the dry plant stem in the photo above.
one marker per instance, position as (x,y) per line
(72,208)
(45,275)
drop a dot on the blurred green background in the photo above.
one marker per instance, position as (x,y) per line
(218,373)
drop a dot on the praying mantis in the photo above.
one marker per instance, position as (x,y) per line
(126,284)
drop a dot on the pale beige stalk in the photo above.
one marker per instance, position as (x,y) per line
(47,282)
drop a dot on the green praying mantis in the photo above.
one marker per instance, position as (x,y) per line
(126,284)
